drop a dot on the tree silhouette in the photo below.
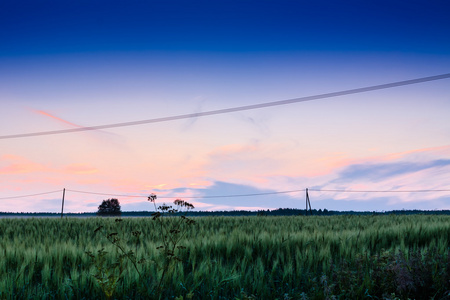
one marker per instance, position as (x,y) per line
(110,207)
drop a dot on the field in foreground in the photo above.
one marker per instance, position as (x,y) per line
(349,257)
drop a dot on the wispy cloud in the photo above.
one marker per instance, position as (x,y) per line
(236,200)
(417,169)
(189,123)
(375,172)
(47,114)
(52,116)
(259,123)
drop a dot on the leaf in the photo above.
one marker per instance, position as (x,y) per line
(152,198)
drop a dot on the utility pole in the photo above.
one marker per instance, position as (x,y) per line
(62,208)
(308,203)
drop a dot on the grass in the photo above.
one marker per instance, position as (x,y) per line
(358,257)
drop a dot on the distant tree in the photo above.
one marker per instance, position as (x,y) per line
(110,207)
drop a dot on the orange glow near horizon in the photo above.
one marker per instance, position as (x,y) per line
(97,176)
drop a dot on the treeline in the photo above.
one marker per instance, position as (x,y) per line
(314,212)
(235,213)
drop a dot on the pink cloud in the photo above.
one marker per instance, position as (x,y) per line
(63,121)
(158,186)
(14,164)
(41,112)
(441,150)
(200,184)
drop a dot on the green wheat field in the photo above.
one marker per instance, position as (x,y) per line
(314,257)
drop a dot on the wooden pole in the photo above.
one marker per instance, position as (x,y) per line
(62,207)
(306,198)
(308,203)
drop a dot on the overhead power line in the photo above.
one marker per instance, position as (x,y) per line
(258,194)
(232,195)
(191,197)
(106,194)
(30,195)
(383,191)
(263,194)
(233,109)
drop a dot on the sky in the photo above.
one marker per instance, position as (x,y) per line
(74,64)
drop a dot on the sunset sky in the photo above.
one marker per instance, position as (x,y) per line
(70,64)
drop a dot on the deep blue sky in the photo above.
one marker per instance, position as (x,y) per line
(52,27)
